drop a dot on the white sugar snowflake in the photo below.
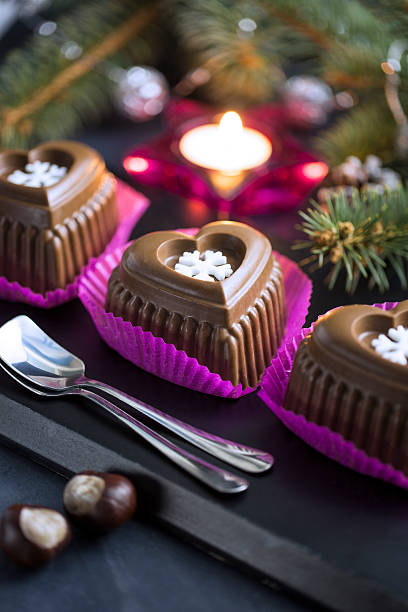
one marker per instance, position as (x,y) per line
(393,347)
(205,266)
(38,174)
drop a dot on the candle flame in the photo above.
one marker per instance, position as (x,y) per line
(230,124)
(226,147)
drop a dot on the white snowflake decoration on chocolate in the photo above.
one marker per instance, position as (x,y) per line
(394,346)
(38,174)
(205,266)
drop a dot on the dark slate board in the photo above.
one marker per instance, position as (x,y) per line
(209,522)
(318,529)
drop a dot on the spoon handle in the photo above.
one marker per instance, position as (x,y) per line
(214,477)
(243,457)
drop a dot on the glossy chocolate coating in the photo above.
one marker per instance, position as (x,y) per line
(233,326)
(48,233)
(340,381)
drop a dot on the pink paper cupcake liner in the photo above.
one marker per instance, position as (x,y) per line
(329,443)
(131,206)
(156,356)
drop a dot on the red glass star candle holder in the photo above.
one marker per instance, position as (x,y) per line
(280,182)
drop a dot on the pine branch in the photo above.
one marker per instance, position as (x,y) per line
(116,39)
(244,67)
(43,94)
(306,28)
(286,31)
(334,21)
(394,13)
(361,237)
(366,129)
(356,68)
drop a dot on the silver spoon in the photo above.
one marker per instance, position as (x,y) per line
(211,475)
(30,352)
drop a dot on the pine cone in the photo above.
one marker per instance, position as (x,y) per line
(353,174)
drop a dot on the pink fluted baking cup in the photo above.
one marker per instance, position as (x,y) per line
(156,356)
(320,437)
(131,206)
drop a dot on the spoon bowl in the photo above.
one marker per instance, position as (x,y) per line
(29,352)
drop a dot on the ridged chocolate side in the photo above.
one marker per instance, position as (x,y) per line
(47,259)
(374,425)
(239,353)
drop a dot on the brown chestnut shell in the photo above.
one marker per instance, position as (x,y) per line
(116,505)
(21,549)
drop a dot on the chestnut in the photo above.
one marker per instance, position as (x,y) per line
(33,535)
(99,501)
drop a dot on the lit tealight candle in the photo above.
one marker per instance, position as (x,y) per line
(227,147)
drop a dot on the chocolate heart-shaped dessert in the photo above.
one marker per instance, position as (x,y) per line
(218,296)
(57,209)
(351,375)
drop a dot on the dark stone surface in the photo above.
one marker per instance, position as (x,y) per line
(137,568)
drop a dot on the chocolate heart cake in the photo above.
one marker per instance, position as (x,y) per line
(351,375)
(57,210)
(218,296)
